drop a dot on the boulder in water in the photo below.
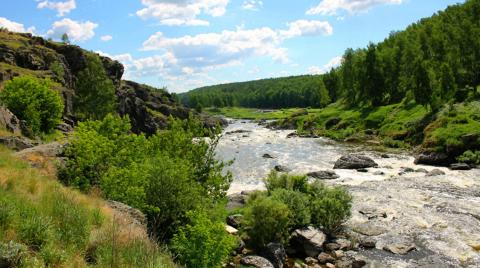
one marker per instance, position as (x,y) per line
(435,172)
(323,175)
(460,166)
(433,159)
(281,168)
(354,161)
(256,261)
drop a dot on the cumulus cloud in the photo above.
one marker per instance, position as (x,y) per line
(106,38)
(335,62)
(253,5)
(76,31)
(307,28)
(331,7)
(62,8)
(15,26)
(182,12)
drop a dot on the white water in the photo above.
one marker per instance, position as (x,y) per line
(440,214)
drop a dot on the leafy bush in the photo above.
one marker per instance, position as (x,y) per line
(470,157)
(94,91)
(267,220)
(330,207)
(35,102)
(202,243)
(298,204)
(286,181)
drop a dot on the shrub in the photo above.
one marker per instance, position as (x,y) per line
(470,157)
(298,203)
(267,220)
(35,102)
(94,91)
(286,181)
(35,231)
(202,243)
(330,207)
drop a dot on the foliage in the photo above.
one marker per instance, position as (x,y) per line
(202,243)
(35,102)
(470,157)
(165,175)
(267,220)
(298,204)
(94,91)
(277,180)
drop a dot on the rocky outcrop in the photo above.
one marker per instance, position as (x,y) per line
(256,262)
(135,217)
(354,161)
(433,159)
(309,240)
(16,143)
(9,121)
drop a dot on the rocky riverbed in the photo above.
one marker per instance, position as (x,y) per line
(408,215)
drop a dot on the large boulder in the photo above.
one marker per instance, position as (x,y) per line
(324,175)
(132,215)
(275,253)
(16,143)
(354,161)
(256,261)
(9,121)
(433,159)
(460,166)
(308,240)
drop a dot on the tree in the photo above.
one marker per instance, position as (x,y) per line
(94,91)
(422,89)
(65,38)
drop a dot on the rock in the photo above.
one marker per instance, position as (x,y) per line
(367,242)
(378,173)
(344,243)
(384,156)
(65,128)
(281,168)
(16,143)
(323,175)
(268,156)
(349,262)
(369,229)
(354,161)
(238,131)
(362,170)
(231,230)
(240,246)
(433,159)
(53,149)
(325,257)
(460,166)
(421,170)
(235,220)
(134,216)
(256,261)
(292,135)
(236,201)
(332,246)
(275,253)
(435,172)
(338,254)
(407,170)
(309,240)
(329,265)
(311,261)
(399,248)
(9,121)
(372,213)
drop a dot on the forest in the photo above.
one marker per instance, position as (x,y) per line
(433,62)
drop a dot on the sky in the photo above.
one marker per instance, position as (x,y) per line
(185,44)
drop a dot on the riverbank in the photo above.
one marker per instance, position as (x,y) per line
(396,205)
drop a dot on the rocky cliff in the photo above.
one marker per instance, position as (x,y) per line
(24,54)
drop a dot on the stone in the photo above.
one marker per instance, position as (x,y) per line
(372,213)
(421,170)
(280,168)
(407,170)
(367,242)
(9,121)
(235,220)
(323,175)
(338,254)
(238,131)
(399,248)
(433,159)
(378,173)
(16,143)
(231,230)
(362,170)
(325,257)
(329,265)
(384,156)
(332,246)
(435,172)
(238,200)
(310,240)
(275,253)
(311,261)
(256,261)
(132,215)
(369,229)
(460,166)
(344,243)
(268,156)
(354,161)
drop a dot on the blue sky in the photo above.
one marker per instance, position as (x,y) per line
(184,44)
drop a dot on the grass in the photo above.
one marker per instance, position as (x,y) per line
(43,224)
(256,114)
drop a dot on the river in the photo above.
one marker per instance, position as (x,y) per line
(438,215)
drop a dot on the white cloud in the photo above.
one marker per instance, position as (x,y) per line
(307,28)
(331,7)
(335,62)
(253,5)
(76,31)
(15,26)
(182,12)
(62,8)
(106,38)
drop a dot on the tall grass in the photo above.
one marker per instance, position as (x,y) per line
(43,224)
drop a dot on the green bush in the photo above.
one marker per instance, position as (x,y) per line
(94,91)
(330,206)
(35,102)
(202,243)
(277,180)
(470,157)
(298,203)
(267,220)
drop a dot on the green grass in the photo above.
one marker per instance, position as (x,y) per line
(44,224)
(256,114)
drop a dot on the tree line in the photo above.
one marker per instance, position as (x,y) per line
(433,61)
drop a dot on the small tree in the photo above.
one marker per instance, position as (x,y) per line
(65,38)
